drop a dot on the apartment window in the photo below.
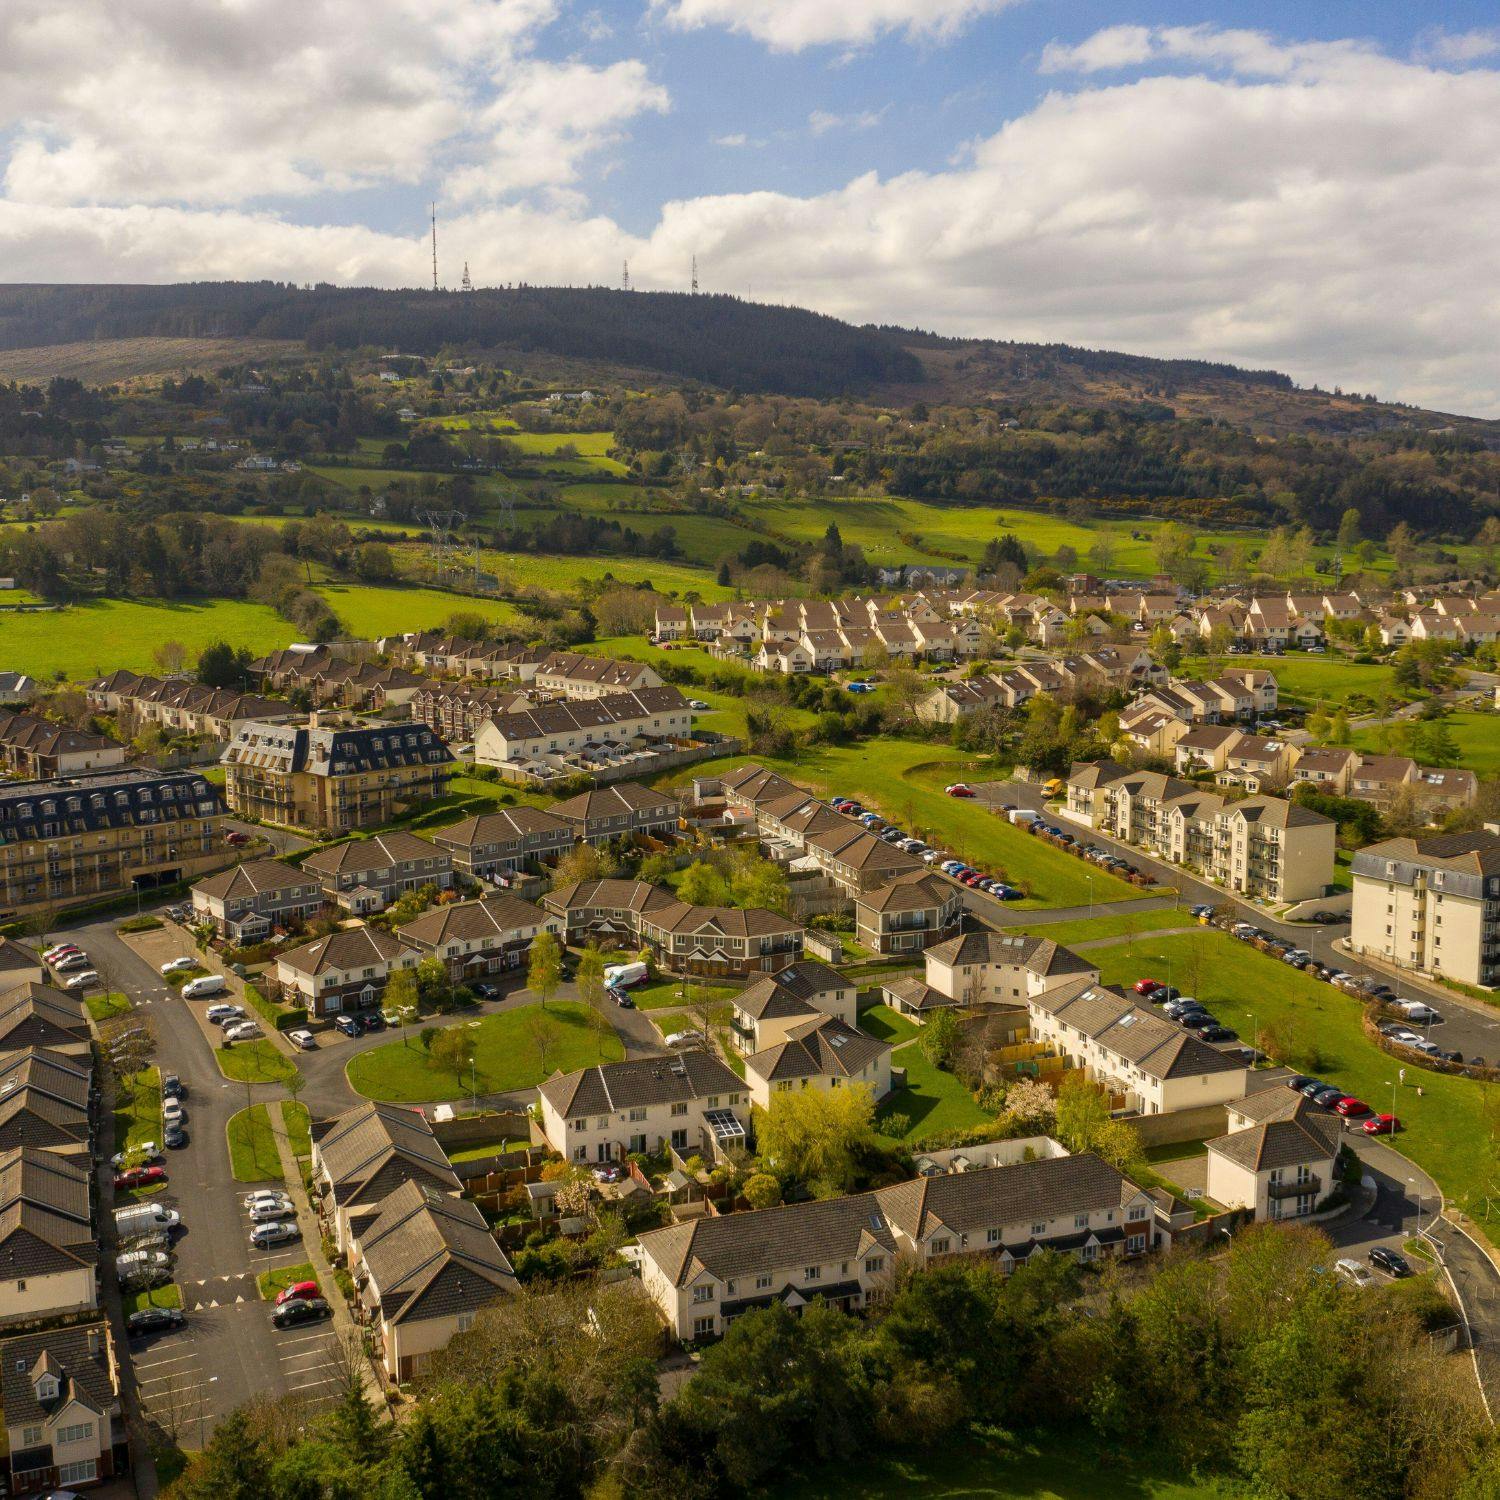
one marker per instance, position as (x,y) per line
(703,1294)
(762,1283)
(77,1432)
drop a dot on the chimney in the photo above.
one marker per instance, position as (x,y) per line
(312,719)
(94,1341)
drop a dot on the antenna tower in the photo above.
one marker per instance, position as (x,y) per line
(625,278)
(434,248)
(695,275)
(466,284)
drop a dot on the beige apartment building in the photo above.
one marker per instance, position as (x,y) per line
(329,774)
(1431,904)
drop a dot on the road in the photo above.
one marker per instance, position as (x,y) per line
(229,1351)
(1472,1029)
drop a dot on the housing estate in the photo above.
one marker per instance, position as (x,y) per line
(345,971)
(40,750)
(478,938)
(1279,1156)
(505,840)
(247,900)
(365,875)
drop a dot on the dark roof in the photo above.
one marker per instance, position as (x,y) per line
(1039,955)
(349,948)
(33,1014)
(255,877)
(503,826)
(495,917)
(639,1081)
(380,852)
(823,1047)
(1304,1133)
(1474,853)
(79,1356)
(614,801)
(46,1216)
(791,991)
(335,749)
(1149,1041)
(382,1144)
(104,799)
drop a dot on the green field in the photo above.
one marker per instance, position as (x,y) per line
(1113,924)
(370,612)
(1308,680)
(564,575)
(932,1101)
(507,1057)
(1477,734)
(902,780)
(258,1061)
(1446,1131)
(1069,1466)
(253,1156)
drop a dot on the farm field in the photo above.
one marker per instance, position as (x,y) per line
(507,1056)
(1446,1130)
(371,611)
(559,574)
(888,776)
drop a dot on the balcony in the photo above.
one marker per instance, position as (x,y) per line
(1312,1184)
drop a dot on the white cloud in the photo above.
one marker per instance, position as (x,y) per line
(1457,47)
(791,25)
(736,138)
(157,101)
(820,121)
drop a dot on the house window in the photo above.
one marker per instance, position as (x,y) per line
(679,1109)
(1080,1221)
(992,1236)
(78,1432)
(940,1247)
(637,1114)
(30,1436)
(812,1273)
(703,1328)
(874,1264)
(1137,1211)
(762,1283)
(465,1321)
(1038,1230)
(703,1294)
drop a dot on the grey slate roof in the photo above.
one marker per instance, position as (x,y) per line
(610,1087)
(1305,1134)
(78,1356)
(379,1146)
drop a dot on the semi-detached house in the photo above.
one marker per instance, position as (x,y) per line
(504,841)
(476,938)
(245,902)
(623,810)
(705,1273)
(365,875)
(345,971)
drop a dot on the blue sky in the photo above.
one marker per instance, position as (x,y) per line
(1311,187)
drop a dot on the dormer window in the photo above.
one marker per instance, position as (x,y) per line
(47,1388)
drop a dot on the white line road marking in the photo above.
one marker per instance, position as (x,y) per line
(163,1379)
(303,1338)
(312,1384)
(156,1364)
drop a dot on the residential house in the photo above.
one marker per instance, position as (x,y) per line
(38,749)
(504,841)
(1205,747)
(821,1052)
(360,1158)
(908,913)
(704,1273)
(1279,1157)
(48,1249)
(64,1424)
(768,1006)
(855,860)
(690,1101)
(46,1101)
(36,1015)
(345,971)
(1001,968)
(568,738)
(247,900)
(19,964)
(17,687)
(624,810)
(573,676)
(366,875)
(478,938)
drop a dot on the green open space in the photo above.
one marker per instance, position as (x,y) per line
(258,1061)
(887,1025)
(253,1156)
(931,1100)
(1072,1466)
(272,1282)
(1476,734)
(298,1124)
(1446,1130)
(169,1295)
(893,777)
(370,611)
(1308,680)
(1111,924)
(513,1050)
(663,993)
(138,1109)
(102,1007)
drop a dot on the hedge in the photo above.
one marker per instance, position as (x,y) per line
(282,1017)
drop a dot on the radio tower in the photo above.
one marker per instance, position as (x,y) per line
(625,278)
(466,285)
(695,275)
(434,248)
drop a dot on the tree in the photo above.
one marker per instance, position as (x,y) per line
(401,997)
(1082,1111)
(544,967)
(703,885)
(757,882)
(1350,531)
(589,976)
(939,1038)
(170,656)
(1030,1104)
(762,1191)
(540,1034)
(220,665)
(374,563)
(1172,546)
(454,1050)
(817,1136)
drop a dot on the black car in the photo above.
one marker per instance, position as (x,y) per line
(1312,1088)
(174,1138)
(1454,1056)
(310,1310)
(172,1087)
(155,1320)
(1389,1260)
(373,1021)
(1217,1033)
(348,1024)
(1299,1081)
(1326,918)
(485,990)
(1164,992)
(1327,1096)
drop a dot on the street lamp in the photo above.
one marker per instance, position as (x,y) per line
(1090,880)
(1391,1085)
(1256,1024)
(1411,1182)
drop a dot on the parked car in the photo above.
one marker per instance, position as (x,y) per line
(241,1031)
(622,999)
(1314,1086)
(76,959)
(1390,1261)
(172,1112)
(1381,1125)
(155,1320)
(959,789)
(298,1291)
(60,950)
(277,1232)
(134,1177)
(1326,918)
(697,705)
(1328,1097)
(1299,1081)
(302,1310)
(174,1137)
(372,1020)
(304,1040)
(217,1015)
(1349,1106)
(1353,1272)
(84,981)
(1146,986)
(607,1171)
(200,989)
(172,1087)
(235,837)
(177,965)
(1218,1033)
(270,1213)
(265,1195)
(143,1155)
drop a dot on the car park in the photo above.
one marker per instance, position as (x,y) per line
(298,1291)
(84,981)
(174,1137)
(155,1320)
(302,1039)
(301,1310)
(1392,1262)
(277,1232)
(242,1031)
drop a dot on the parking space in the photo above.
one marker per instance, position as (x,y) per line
(309,1363)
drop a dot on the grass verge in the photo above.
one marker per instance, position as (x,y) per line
(298,1128)
(254,1062)
(272,1282)
(169,1295)
(665,993)
(138,1109)
(102,1007)
(253,1156)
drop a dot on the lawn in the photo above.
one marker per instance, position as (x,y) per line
(555,573)
(102,1007)
(138,1109)
(887,1025)
(256,1061)
(253,1156)
(1309,680)
(1111,924)
(1477,734)
(271,1282)
(369,612)
(508,1057)
(1073,1466)
(669,992)
(169,1295)
(298,1124)
(1446,1130)
(893,776)
(932,1101)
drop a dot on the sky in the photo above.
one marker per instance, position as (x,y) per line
(1312,188)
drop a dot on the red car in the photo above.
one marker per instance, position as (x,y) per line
(1381,1125)
(236,837)
(959,789)
(1349,1105)
(296,1291)
(140,1177)
(1145,986)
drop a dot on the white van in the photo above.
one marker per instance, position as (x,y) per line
(1418,1010)
(622,976)
(201,989)
(143,1218)
(1025,815)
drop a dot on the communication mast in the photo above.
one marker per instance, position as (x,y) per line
(625,278)
(466,285)
(695,275)
(434,248)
